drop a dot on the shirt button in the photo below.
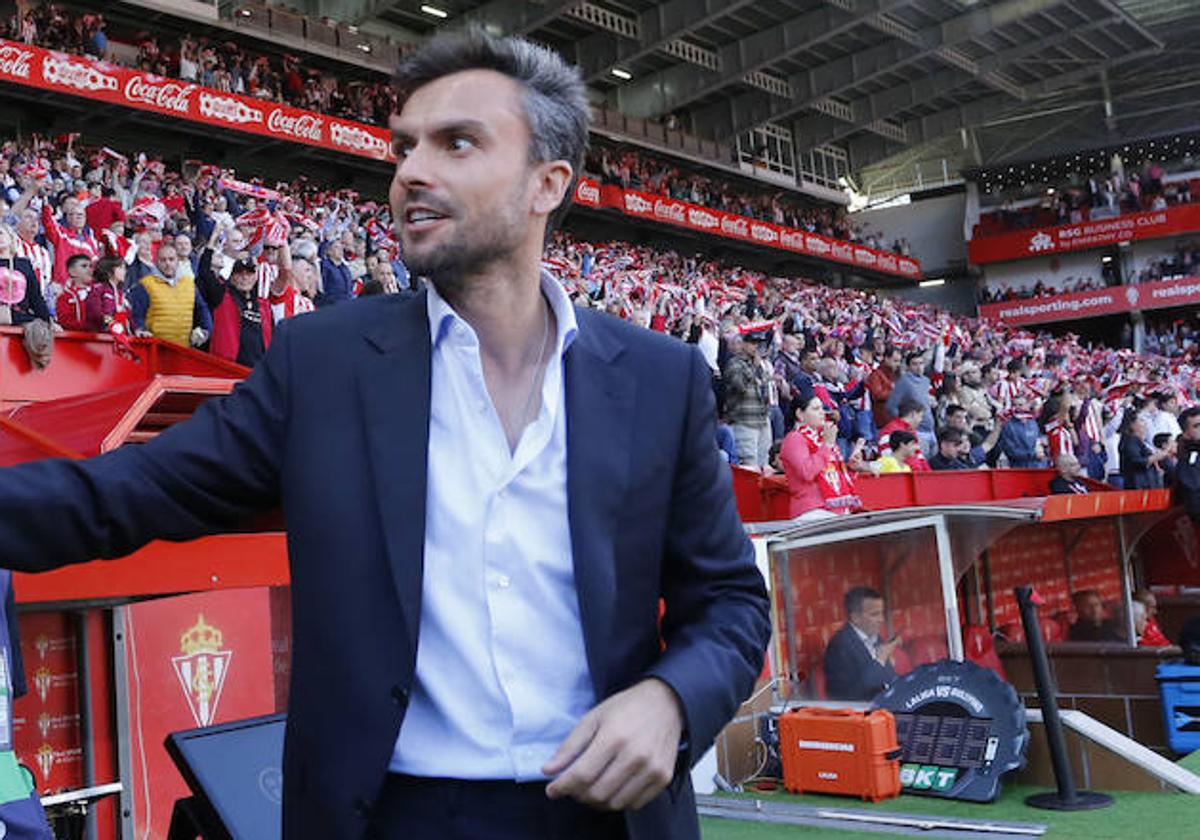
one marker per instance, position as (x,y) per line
(503,581)
(400,695)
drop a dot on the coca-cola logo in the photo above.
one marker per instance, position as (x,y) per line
(763,233)
(14,61)
(170,96)
(634,203)
(791,239)
(300,126)
(843,251)
(887,262)
(228,109)
(863,256)
(672,211)
(702,219)
(64,72)
(735,226)
(817,245)
(909,267)
(588,193)
(353,137)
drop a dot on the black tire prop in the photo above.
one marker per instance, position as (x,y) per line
(960,728)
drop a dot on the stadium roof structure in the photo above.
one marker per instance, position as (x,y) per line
(897,83)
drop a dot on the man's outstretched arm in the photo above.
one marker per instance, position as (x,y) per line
(202,476)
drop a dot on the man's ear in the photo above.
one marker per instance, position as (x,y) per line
(552,180)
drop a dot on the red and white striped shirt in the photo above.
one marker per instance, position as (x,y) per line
(288,303)
(39,258)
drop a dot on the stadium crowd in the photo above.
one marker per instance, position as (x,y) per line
(633,169)
(1122,189)
(222,64)
(998,294)
(94,240)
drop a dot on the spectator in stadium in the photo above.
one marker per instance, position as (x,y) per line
(949,455)
(336,277)
(810,361)
(819,481)
(1020,438)
(1067,481)
(168,305)
(1139,462)
(1187,472)
(858,662)
(1164,442)
(107,306)
(1162,410)
(746,402)
(911,413)
(1091,625)
(914,386)
(143,261)
(242,319)
(70,238)
(20,294)
(787,367)
(103,211)
(1152,635)
(902,447)
(71,306)
(980,450)
(882,382)
(38,255)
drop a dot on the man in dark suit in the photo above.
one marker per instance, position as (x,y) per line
(858,662)
(1068,482)
(516,484)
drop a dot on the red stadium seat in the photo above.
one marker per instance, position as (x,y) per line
(980,648)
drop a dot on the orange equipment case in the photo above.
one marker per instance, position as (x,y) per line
(840,751)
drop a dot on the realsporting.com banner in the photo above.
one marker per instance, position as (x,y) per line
(1112,301)
(104,82)
(590,193)
(1034,242)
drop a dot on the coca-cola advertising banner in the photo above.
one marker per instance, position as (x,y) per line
(104,82)
(1112,301)
(1034,242)
(590,193)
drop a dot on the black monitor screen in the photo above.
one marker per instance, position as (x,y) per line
(236,767)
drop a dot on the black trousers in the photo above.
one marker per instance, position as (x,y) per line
(412,808)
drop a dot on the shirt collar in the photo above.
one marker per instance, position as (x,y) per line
(442,315)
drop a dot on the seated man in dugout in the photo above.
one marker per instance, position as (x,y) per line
(858,660)
(1091,625)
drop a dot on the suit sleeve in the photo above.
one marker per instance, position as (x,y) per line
(203,476)
(716,624)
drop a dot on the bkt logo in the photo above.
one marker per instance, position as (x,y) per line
(927,777)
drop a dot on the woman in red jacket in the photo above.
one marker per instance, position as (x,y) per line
(818,479)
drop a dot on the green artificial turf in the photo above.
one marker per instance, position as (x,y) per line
(1166,816)
(1191,762)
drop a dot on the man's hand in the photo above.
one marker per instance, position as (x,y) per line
(623,752)
(886,650)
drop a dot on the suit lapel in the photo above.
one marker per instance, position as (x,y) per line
(599,428)
(394,386)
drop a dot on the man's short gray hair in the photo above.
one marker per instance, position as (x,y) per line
(555,98)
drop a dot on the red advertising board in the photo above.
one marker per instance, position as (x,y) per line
(193,660)
(590,193)
(1033,242)
(104,82)
(46,730)
(1110,301)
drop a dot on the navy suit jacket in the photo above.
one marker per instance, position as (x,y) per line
(851,673)
(333,425)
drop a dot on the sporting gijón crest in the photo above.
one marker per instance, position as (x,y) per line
(202,667)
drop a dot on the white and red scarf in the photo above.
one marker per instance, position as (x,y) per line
(835,482)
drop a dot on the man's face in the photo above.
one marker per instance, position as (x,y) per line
(1090,609)
(76,217)
(1151,603)
(236,242)
(916,364)
(1068,467)
(464,192)
(167,262)
(791,345)
(1171,405)
(80,272)
(271,254)
(1191,431)
(949,448)
(907,450)
(957,420)
(893,361)
(869,618)
(183,245)
(334,250)
(27,226)
(808,362)
(243,281)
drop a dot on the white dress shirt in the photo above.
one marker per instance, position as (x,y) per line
(501,675)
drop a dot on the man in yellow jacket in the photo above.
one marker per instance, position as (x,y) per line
(168,305)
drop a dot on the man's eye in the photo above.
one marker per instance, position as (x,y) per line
(401,150)
(460,144)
